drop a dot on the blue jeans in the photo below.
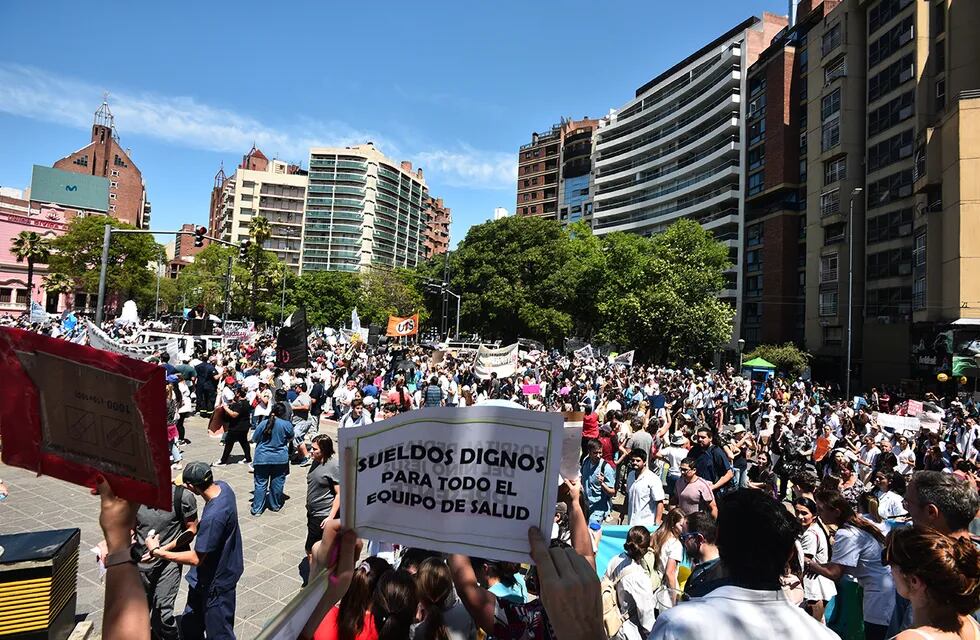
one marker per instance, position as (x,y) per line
(270,483)
(175,451)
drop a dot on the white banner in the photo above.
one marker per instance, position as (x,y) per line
(138,351)
(502,361)
(899,424)
(38,314)
(469,480)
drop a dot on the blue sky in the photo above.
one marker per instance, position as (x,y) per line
(456,87)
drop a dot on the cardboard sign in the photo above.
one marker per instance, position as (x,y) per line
(469,480)
(503,361)
(625,358)
(398,327)
(531,389)
(74,412)
(914,408)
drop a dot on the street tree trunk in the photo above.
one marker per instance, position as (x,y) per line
(30,283)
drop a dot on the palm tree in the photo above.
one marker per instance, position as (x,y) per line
(30,246)
(260,230)
(58,283)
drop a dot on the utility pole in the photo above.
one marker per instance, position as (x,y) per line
(850,288)
(100,310)
(227,305)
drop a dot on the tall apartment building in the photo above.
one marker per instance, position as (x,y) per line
(776,164)
(554,172)
(362,209)
(889,143)
(437,218)
(674,151)
(273,189)
(104,157)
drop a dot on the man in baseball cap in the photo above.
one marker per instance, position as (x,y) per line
(216,561)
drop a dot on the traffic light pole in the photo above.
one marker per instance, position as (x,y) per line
(100,310)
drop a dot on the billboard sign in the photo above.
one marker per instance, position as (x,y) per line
(69,189)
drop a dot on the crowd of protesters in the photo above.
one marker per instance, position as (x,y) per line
(753,508)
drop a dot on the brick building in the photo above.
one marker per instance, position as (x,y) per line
(104,157)
(554,172)
(436,234)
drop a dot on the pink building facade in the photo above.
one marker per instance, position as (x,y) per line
(17,215)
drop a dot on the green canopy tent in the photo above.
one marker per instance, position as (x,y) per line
(758,363)
(758,370)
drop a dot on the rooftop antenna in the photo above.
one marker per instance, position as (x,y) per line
(104,117)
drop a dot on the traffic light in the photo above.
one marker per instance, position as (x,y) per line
(199,234)
(243,249)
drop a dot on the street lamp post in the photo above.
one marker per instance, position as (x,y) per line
(741,348)
(850,287)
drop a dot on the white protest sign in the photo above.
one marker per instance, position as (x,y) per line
(459,480)
(502,361)
(896,423)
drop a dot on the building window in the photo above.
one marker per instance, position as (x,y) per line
(21,296)
(833,335)
(890,151)
(883,12)
(828,303)
(835,170)
(828,268)
(5,294)
(112,196)
(830,105)
(534,208)
(753,260)
(939,18)
(113,184)
(753,235)
(757,131)
(889,302)
(757,157)
(81,161)
(112,207)
(803,172)
(803,58)
(891,77)
(892,40)
(890,226)
(832,39)
(834,233)
(114,173)
(756,182)
(890,188)
(753,285)
(941,93)
(829,135)
(837,69)
(757,84)
(891,113)
(890,264)
(119,162)
(830,203)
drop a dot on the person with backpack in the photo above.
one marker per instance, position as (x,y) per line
(712,462)
(598,477)
(627,579)
(161,578)
(433,395)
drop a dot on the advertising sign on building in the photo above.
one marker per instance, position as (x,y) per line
(70,189)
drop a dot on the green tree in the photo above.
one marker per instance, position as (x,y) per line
(386,292)
(31,247)
(78,255)
(328,296)
(786,357)
(660,295)
(203,281)
(58,283)
(259,231)
(510,275)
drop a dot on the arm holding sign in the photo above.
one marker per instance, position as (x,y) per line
(569,590)
(479,602)
(577,523)
(127,615)
(336,552)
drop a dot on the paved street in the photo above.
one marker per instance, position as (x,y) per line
(273,543)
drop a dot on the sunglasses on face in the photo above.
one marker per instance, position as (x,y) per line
(689,536)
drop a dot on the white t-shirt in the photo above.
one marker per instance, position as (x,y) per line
(889,504)
(906,461)
(860,555)
(644,494)
(675,455)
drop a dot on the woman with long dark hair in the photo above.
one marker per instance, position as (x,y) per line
(446,617)
(354,618)
(857,552)
(394,606)
(634,591)
(817,589)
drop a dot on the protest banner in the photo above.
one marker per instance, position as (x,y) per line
(585,353)
(400,327)
(469,480)
(625,358)
(292,346)
(571,445)
(502,361)
(899,424)
(914,408)
(74,413)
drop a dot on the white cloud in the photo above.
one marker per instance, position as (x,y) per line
(468,167)
(183,121)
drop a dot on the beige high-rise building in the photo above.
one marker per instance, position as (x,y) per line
(273,189)
(894,112)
